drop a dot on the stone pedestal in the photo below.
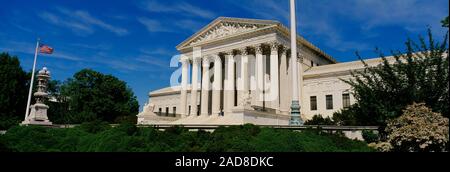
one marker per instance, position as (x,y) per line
(38,114)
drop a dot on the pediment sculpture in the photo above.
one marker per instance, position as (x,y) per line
(224,29)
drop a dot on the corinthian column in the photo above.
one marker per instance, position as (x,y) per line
(230,81)
(194,85)
(184,79)
(259,76)
(274,96)
(205,88)
(300,79)
(217,86)
(284,90)
(245,82)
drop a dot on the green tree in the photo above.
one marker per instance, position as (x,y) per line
(92,95)
(58,104)
(420,74)
(445,22)
(13,91)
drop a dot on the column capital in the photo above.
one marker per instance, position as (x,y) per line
(274,46)
(217,59)
(300,57)
(258,49)
(206,61)
(243,51)
(284,47)
(184,59)
(196,60)
(228,52)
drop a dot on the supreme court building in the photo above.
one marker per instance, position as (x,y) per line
(237,71)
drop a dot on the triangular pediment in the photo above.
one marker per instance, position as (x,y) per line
(224,28)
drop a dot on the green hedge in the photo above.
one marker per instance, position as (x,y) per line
(128,138)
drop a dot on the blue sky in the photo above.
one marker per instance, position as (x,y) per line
(135,40)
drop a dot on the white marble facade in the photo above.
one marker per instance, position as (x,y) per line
(237,71)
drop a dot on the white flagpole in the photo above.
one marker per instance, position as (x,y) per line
(295,105)
(32,80)
(294,51)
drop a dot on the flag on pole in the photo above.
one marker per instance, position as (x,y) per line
(45,49)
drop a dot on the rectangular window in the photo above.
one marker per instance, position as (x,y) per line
(313,100)
(189,109)
(329,101)
(159,111)
(312,63)
(346,100)
(174,111)
(167,111)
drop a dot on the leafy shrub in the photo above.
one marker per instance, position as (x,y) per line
(177,130)
(369,136)
(94,126)
(232,138)
(381,146)
(126,138)
(8,122)
(3,147)
(319,120)
(126,119)
(270,140)
(418,129)
(349,116)
(128,128)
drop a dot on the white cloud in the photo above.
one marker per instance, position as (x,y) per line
(153,25)
(86,17)
(177,7)
(267,9)
(190,25)
(63,55)
(153,61)
(195,11)
(75,26)
(23,28)
(80,22)
(157,51)
(99,46)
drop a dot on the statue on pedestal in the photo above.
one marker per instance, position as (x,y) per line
(38,114)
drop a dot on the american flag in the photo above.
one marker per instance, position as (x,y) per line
(45,49)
